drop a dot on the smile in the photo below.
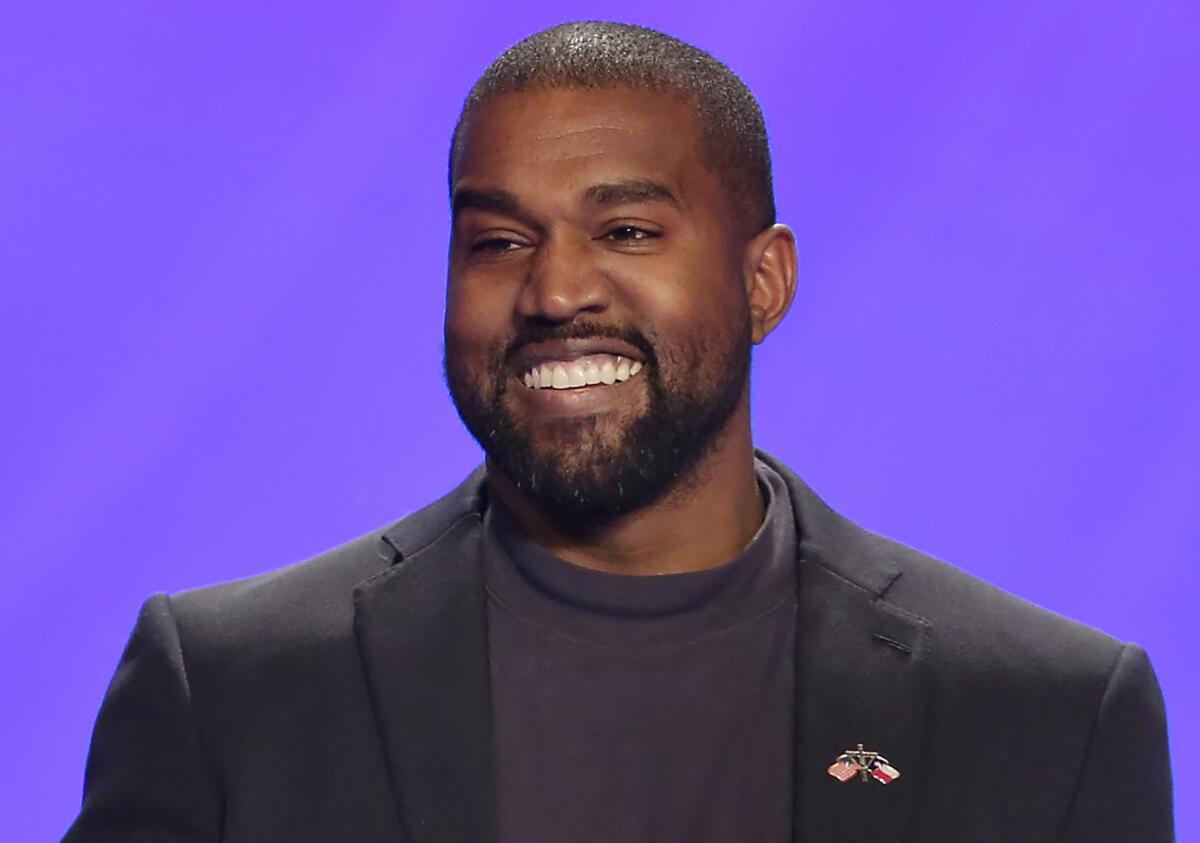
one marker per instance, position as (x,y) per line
(589,370)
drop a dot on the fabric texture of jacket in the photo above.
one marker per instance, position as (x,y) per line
(346,698)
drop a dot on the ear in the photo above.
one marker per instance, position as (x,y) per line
(769,273)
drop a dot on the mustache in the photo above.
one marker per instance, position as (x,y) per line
(580,331)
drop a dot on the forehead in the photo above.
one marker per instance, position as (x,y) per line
(567,139)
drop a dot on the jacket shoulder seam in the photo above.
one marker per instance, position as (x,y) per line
(1091,738)
(201,743)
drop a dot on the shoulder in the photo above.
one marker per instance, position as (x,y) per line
(975,626)
(312,595)
(971,626)
(313,598)
(1018,684)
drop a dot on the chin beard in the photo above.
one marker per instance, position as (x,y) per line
(584,476)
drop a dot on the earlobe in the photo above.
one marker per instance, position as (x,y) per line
(770,276)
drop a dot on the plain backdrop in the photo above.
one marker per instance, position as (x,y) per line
(222,254)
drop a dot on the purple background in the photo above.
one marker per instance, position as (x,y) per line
(222,239)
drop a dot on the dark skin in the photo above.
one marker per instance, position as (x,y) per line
(595,206)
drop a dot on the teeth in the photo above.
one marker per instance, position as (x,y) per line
(576,375)
(586,371)
(608,373)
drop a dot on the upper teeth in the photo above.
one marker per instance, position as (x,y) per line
(582,371)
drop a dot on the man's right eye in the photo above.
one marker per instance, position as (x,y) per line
(495,246)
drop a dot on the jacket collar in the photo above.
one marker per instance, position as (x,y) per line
(421,629)
(422,637)
(858,675)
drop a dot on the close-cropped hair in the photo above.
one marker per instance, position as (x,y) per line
(596,54)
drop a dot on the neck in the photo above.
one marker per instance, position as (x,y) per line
(704,522)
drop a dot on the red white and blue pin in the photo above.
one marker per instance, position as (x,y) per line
(865,764)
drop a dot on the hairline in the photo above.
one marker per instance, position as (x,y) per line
(707,143)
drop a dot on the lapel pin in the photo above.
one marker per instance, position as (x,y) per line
(865,764)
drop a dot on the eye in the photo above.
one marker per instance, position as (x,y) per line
(629,234)
(495,246)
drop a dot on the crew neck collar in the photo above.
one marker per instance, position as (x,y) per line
(561,597)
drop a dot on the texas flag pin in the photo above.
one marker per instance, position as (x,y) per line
(865,764)
(883,772)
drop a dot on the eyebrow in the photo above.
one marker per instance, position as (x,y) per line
(605,194)
(629,192)
(496,201)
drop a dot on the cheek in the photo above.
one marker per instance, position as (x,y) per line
(476,318)
(696,306)
(702,342)
(477,331)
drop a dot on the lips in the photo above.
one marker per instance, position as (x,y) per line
(534,353)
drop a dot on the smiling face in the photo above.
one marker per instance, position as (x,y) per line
(597,325)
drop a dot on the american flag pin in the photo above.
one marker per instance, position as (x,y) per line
(865,764)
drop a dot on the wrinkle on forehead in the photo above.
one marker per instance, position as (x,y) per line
(582,130)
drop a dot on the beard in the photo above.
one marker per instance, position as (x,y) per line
(586,471)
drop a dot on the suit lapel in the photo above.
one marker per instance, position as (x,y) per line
(858,677)
(421,629)
(856,682)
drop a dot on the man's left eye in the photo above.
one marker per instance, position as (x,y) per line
(629,233)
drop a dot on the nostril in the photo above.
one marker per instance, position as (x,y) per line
(558,289)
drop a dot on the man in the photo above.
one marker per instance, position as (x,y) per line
(629,625)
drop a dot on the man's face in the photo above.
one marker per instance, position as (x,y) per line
(597,329)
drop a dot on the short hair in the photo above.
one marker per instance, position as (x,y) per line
(600,54)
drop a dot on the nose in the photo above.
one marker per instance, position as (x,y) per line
(563,281)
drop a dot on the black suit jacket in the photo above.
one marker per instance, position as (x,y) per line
(346,699)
